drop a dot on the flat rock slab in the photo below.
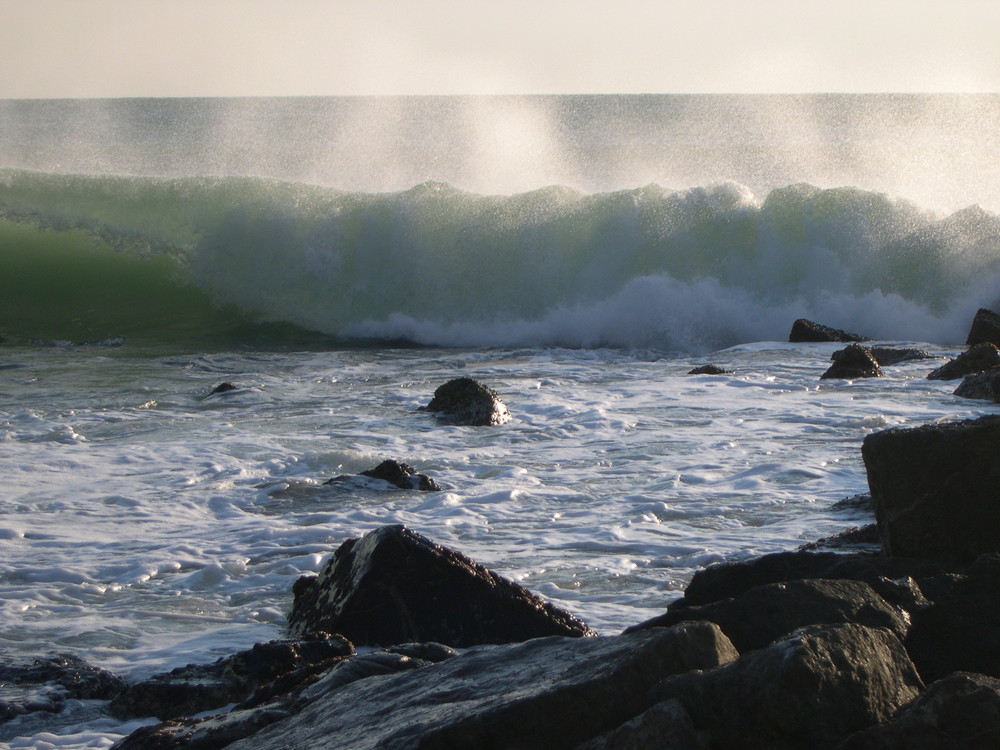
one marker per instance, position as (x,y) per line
(547,693)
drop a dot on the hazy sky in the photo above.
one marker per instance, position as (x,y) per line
(81,48)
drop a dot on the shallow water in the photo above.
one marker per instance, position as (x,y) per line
(147,524)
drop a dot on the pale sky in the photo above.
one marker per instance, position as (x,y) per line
(113,48)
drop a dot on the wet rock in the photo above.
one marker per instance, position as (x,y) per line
(886,356)
(547,693)
(961,711)
(399,474)
(272,704)
(985,328)
(804,330)
(761,615)
(396,586)
(862,537)
(710,370)
(466,401)
(45,684)
(197,688)
(223,388)
(855,361)
(979,358)
(934,488)
(810,690)
(982,385)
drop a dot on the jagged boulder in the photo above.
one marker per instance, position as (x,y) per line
(855,361)
(810,690)
(395,586)
(985,328)
(977,359)
(982,385)
(804,330)
(466,401)
(544,694)
(935,488)
(761,615)
(961,711)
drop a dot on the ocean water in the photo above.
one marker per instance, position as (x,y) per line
(338,259)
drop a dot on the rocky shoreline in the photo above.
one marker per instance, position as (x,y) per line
(403,643)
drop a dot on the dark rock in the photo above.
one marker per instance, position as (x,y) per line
(985,328)
(710,370)
(960,629)
(982,385)
(855,361)
(810,690)
(807,331)
(861,501)
(197,688)
(887,356)
(979,358)
(403,476)
(547,693)
(761,615)
(74,677)
(468,402)
(44,685)
(223,388)
(396,586)
(864,537)
(935,488)
(961,711)
(727,580)
(665,726)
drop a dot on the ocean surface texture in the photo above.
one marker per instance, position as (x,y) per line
(338,259)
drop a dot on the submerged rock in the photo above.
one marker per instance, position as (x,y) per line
(468,402)
(855,361)
(710,370)
(935,488)
(396,586)
(887,356)
(399,474)
(985,328)
(979,358)
(804,330)
(47,683)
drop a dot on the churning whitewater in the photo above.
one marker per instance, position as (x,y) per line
(336,260)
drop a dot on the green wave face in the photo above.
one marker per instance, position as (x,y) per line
(65,286)
(247,261)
